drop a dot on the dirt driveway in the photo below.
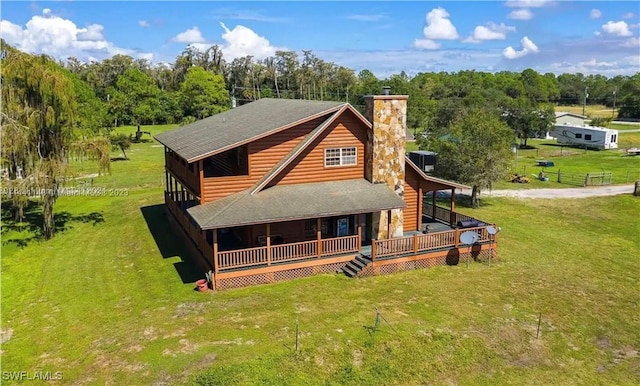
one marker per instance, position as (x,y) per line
(591,191)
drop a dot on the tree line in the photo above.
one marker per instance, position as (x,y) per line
(201,83)
(54,111)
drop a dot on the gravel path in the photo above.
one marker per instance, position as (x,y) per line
(592,191)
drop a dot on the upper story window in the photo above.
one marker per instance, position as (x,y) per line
(341,156)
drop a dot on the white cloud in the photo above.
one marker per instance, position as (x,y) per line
(426,44)
(529,3)
(618,28)
(242,41)
(144,24)
(366,17)
(595,14)
(633,60)
(92,32)
(490,31)
(61,38)
(590,66)
(192,35)
(528,47)
(632,42)
(521,14)
(628,15)
(439,26)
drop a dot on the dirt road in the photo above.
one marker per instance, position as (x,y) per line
(592,191)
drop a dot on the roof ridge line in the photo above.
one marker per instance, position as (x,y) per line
(285,161)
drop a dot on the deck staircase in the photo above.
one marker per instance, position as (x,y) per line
(353,268)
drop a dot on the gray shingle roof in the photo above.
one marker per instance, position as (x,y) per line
(237,126)
(295,202)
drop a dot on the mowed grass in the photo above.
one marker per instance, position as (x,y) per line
(110,300)
(571,161)
(591,111)
(577,162)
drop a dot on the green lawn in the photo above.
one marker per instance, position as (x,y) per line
(110,300)
(575,161)
(623,127)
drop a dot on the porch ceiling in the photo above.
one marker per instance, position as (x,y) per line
(296,202)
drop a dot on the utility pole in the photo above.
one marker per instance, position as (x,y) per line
(586,95)
(613,113)
(233,96)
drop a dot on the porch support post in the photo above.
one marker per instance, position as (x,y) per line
(452,216)
(388,224)
(215,251)
(201,177)
(420,200)
(359,232)
(433,201)
(268,244)
(166,184)
(319,235)
(415,244)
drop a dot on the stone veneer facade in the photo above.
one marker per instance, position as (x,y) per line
(386,156)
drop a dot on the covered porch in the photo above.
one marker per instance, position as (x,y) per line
(309,224)
(271,244)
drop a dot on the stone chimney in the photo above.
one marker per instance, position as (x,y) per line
(386,149)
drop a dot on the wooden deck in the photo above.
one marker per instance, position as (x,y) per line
(265,264)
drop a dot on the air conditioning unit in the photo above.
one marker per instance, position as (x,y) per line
(424,159)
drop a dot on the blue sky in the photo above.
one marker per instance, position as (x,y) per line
(385,37)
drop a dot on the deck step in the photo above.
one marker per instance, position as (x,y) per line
(353,268)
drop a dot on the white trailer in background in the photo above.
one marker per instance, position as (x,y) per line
(585,136)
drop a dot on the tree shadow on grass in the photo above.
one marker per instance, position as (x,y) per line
(33,223)
(169,244)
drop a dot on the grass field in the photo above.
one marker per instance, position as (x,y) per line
(572,161)
(110,300)
(591,111)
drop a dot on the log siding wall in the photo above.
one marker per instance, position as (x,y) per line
(263,155)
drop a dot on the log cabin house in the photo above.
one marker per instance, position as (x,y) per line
(277,189)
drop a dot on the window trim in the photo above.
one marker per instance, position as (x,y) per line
(341,157)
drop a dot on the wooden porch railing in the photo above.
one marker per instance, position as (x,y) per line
(191,179)
(192,230)
(281,253)
(444,214)
(242,258)
(294,251)
(340,245)
(424,242)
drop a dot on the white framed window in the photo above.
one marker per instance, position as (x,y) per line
(340,156)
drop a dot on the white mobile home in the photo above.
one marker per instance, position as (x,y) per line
(585,136)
